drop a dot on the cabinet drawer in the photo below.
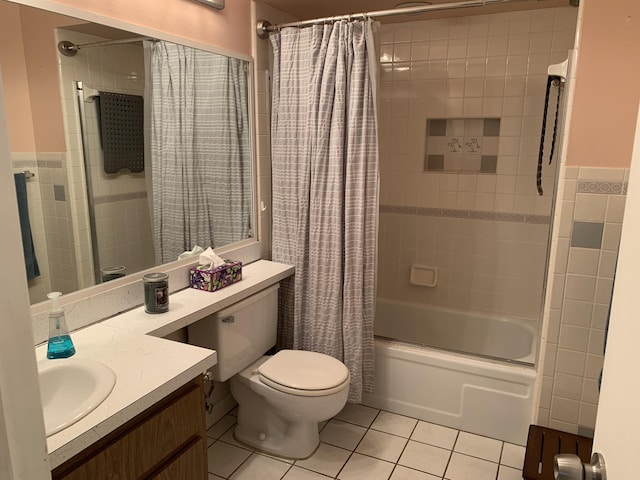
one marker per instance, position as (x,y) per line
(190,465)
(141,447)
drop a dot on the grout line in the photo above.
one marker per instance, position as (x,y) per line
(352,451)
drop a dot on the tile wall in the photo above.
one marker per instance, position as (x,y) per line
(122,215)
(588,237)
(486,232)
(261,49)
(50,220)
(484,265)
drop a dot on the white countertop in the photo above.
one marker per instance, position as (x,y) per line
(190,305)
(148,368)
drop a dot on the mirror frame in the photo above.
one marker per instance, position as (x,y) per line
(247,251)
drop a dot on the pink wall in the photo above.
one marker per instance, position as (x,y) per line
(229,28)
(607,91)
(14,80)
(42,70)
(32,98)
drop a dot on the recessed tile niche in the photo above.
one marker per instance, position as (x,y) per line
(467,145)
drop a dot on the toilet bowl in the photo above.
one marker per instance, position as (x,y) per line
(282,398)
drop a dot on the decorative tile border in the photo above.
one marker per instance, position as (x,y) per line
(50,164)
(604,188)
(467,214)
(37,163)
(23,164)
(120,197)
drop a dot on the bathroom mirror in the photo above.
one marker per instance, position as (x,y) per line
(91,219)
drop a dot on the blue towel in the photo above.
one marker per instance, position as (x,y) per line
(30,261)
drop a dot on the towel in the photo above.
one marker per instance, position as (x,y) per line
(122,133)
(30,260)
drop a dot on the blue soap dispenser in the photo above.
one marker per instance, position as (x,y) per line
(60,344)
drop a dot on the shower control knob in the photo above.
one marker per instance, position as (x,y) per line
(262,436)
(570,467)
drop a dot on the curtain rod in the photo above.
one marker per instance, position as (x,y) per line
(264,27)
(70,49)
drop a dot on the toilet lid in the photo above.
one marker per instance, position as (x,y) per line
(304,373)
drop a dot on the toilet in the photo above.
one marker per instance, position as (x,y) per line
(282,397)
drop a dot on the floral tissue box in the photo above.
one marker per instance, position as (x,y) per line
(202,278)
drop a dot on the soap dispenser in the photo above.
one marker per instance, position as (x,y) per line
(60,344)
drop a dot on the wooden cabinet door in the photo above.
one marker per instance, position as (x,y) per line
(146,443)
(191,465)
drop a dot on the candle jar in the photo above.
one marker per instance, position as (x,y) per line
(156,292)
(112,272)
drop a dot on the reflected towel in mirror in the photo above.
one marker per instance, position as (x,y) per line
(30,260)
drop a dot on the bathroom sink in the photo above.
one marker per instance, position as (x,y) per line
(70,389)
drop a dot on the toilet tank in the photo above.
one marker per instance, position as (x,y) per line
(240,334)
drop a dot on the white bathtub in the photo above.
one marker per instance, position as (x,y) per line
(456,330)
(469,393)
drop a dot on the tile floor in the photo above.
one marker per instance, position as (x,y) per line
(366,443)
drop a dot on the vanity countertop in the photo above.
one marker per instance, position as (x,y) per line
(149,368)
(190,305)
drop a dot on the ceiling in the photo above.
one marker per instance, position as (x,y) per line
(310,9)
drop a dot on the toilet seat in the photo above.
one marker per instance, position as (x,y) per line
(304,373)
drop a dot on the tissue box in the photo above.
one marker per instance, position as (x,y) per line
(202,278)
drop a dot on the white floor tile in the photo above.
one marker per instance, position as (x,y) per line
(395,424)
(478,446)
(259,467)
(404,473)
(425,458)
(221,426)
(463,467)
(361,467)
(382,445)
(297,473)
(508,473)
(290,461)
(210,441)
(223,458)
(512,455)
(358,414)
(230,439)
(327,460)
(433,434)
(214,477)
(342,434)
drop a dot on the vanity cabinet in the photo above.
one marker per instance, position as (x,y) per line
(165,442)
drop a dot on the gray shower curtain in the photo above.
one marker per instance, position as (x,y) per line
(325,191)
(200,151)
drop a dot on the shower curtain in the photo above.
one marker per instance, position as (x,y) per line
(325,191)
(199,145)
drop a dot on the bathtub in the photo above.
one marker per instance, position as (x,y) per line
(466,332)
(478,395)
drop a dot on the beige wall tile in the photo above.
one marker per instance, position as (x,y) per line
(567,386)
(565,410)
(570,362)
(574,338)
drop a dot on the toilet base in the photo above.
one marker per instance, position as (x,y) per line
(280,423)
(294,441)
